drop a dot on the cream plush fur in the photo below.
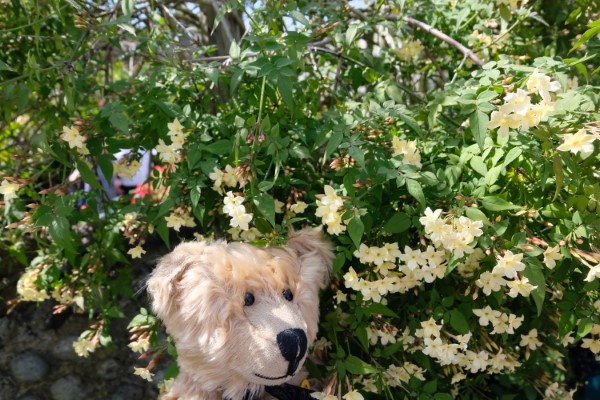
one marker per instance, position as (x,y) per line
(226,348)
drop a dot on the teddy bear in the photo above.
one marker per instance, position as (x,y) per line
(242,317)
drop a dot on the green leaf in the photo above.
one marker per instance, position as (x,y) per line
(356,366)
(296,15)
(512,155)
(495,203)
(477,215)
(356,229)
(566,323)
(128,6)
(416,191)
(119,121)
(380,309)
(492,176)
(220,147)
(479,165)
(105,161)
(412,123)
(479,121)
(334,142)
(351,33)
(559,174)
(587,35)
(88,175)
(534,272)
(585,326)
(5,67)
(163,231)
(234,50)
(285,87)
(60,231)
(357,154)
(399,222)
(458,322)
(266,206)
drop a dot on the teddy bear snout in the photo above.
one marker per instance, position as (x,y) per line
(292,344)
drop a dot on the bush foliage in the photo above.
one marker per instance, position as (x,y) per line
(448,148)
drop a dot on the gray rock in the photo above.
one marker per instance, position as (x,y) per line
(67,388)
(6,328)
(109,369)
(127,391)
(63,349)
(8,389)
(29,396)
(28,367)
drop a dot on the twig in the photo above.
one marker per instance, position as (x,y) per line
(441,35)
(168,13)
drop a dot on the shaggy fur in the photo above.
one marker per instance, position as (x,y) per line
(225,348)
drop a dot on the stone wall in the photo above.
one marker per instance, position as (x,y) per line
(37,360)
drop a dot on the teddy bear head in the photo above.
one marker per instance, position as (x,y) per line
(241,317)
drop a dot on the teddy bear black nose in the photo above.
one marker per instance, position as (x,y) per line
(292,344)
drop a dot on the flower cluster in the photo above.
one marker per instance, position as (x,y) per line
(170,153)
(501,322)
(518,112)
(328,209)
(452,234)
(75,140)
(84,346)
(408,150)
(409,50)
(227,177)
(127,167)
(233,206)
(181,216)
(508,266)
(27,286)
(456,352)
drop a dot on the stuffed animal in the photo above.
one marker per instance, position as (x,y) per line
(242,317)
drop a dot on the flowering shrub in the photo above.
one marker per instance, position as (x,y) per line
(459,184)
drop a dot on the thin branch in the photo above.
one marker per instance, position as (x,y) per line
(441,35)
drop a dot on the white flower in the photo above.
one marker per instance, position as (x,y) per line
(490,282)
(353,395)
(136,252)
(593,273)
(530,340)
(578,142)
(551,255)
(518,103)
(73,137)
(83,347)
(174,221)
(144,373)
(408,150)
(509,264)
(592,344)
(542,84)
(520,287)
(175,127)
(327,209)
(299,207)
(140,346)
(486,315)
(9,190)
(28,289)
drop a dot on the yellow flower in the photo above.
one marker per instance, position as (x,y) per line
(140,346)
(83,347)
(299,207)
(9,190)
(551,255)
(136,252)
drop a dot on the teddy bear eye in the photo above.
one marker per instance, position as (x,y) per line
(287,294)
(248,299)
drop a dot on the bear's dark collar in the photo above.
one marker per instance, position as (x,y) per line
(283,392)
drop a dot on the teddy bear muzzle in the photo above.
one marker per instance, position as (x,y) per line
(292,344)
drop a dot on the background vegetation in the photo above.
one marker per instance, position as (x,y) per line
(364,118)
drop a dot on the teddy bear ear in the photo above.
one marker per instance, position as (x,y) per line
(316,255)
(163,282)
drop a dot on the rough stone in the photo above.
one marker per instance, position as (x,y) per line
(29,396)
(127,391)
(67,388)
(8,389)
(109,369)
(6,328)
(63,350)
(28,366)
